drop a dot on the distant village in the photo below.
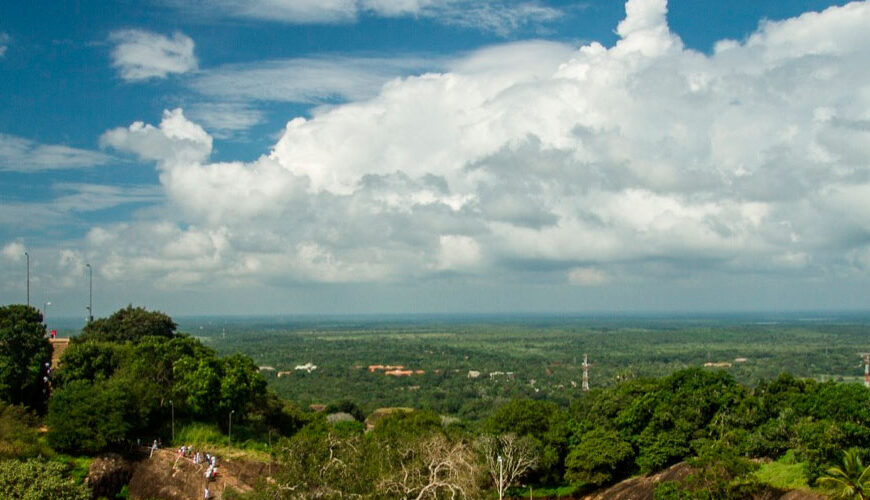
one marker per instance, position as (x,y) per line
(403,371)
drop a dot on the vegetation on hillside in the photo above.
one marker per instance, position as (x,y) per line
(24,356)
(516,358)
(131,377)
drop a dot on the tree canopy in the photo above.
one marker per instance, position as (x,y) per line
(88,419)
(24,354)
(118,382)
(130,324)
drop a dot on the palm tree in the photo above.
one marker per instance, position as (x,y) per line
(851,480)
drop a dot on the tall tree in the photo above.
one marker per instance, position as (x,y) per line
(543,421)
(24,354)
(599,457)
(508,458)
(90,361)
(130,324)
(89,418)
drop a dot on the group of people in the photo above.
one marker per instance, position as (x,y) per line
(198,458)
(210,472)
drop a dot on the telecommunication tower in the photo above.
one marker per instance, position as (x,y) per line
(585,386)
(866,356)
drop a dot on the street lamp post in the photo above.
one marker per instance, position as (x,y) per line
(90,292)
(45,313)
(27,256)
(230,432)
(173,420)
(500,478)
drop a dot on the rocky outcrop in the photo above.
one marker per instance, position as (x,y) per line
(108,474)
(643,488)
(167,476)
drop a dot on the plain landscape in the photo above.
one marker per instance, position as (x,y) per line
(438,406)
(536,356)
(435,249)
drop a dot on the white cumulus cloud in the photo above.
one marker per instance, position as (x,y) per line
(176,139)
(589,165)
(14,251)
(140,55)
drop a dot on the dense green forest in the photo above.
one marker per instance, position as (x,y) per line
(520,428)
(538,357)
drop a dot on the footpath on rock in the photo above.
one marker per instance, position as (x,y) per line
(168,476)
(643,488)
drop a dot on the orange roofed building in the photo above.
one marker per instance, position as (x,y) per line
(374,368)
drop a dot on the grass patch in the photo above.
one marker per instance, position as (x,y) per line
(786,473)
(78,465)
(542,492)
(208,437)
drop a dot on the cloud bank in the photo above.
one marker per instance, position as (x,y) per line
(539,162)
(142,55)
(24,155)
(307,80)
(498,16)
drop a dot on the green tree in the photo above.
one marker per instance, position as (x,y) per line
(662,424)
(851,480)
(199,385)
(90,361)
(24,354)
(819,442)
(129,324)
(346,406)
(543,421)
(600,457)
(403,426)
(242,387)
(37,480)
(88,418)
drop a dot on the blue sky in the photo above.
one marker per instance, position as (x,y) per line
(293,156)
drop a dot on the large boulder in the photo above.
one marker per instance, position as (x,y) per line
(107,474)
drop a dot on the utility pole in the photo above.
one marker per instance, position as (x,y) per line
(866,356)
(500,478)
(230,431)
(173,420)
(27,255)
(585,386)
(90,292)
